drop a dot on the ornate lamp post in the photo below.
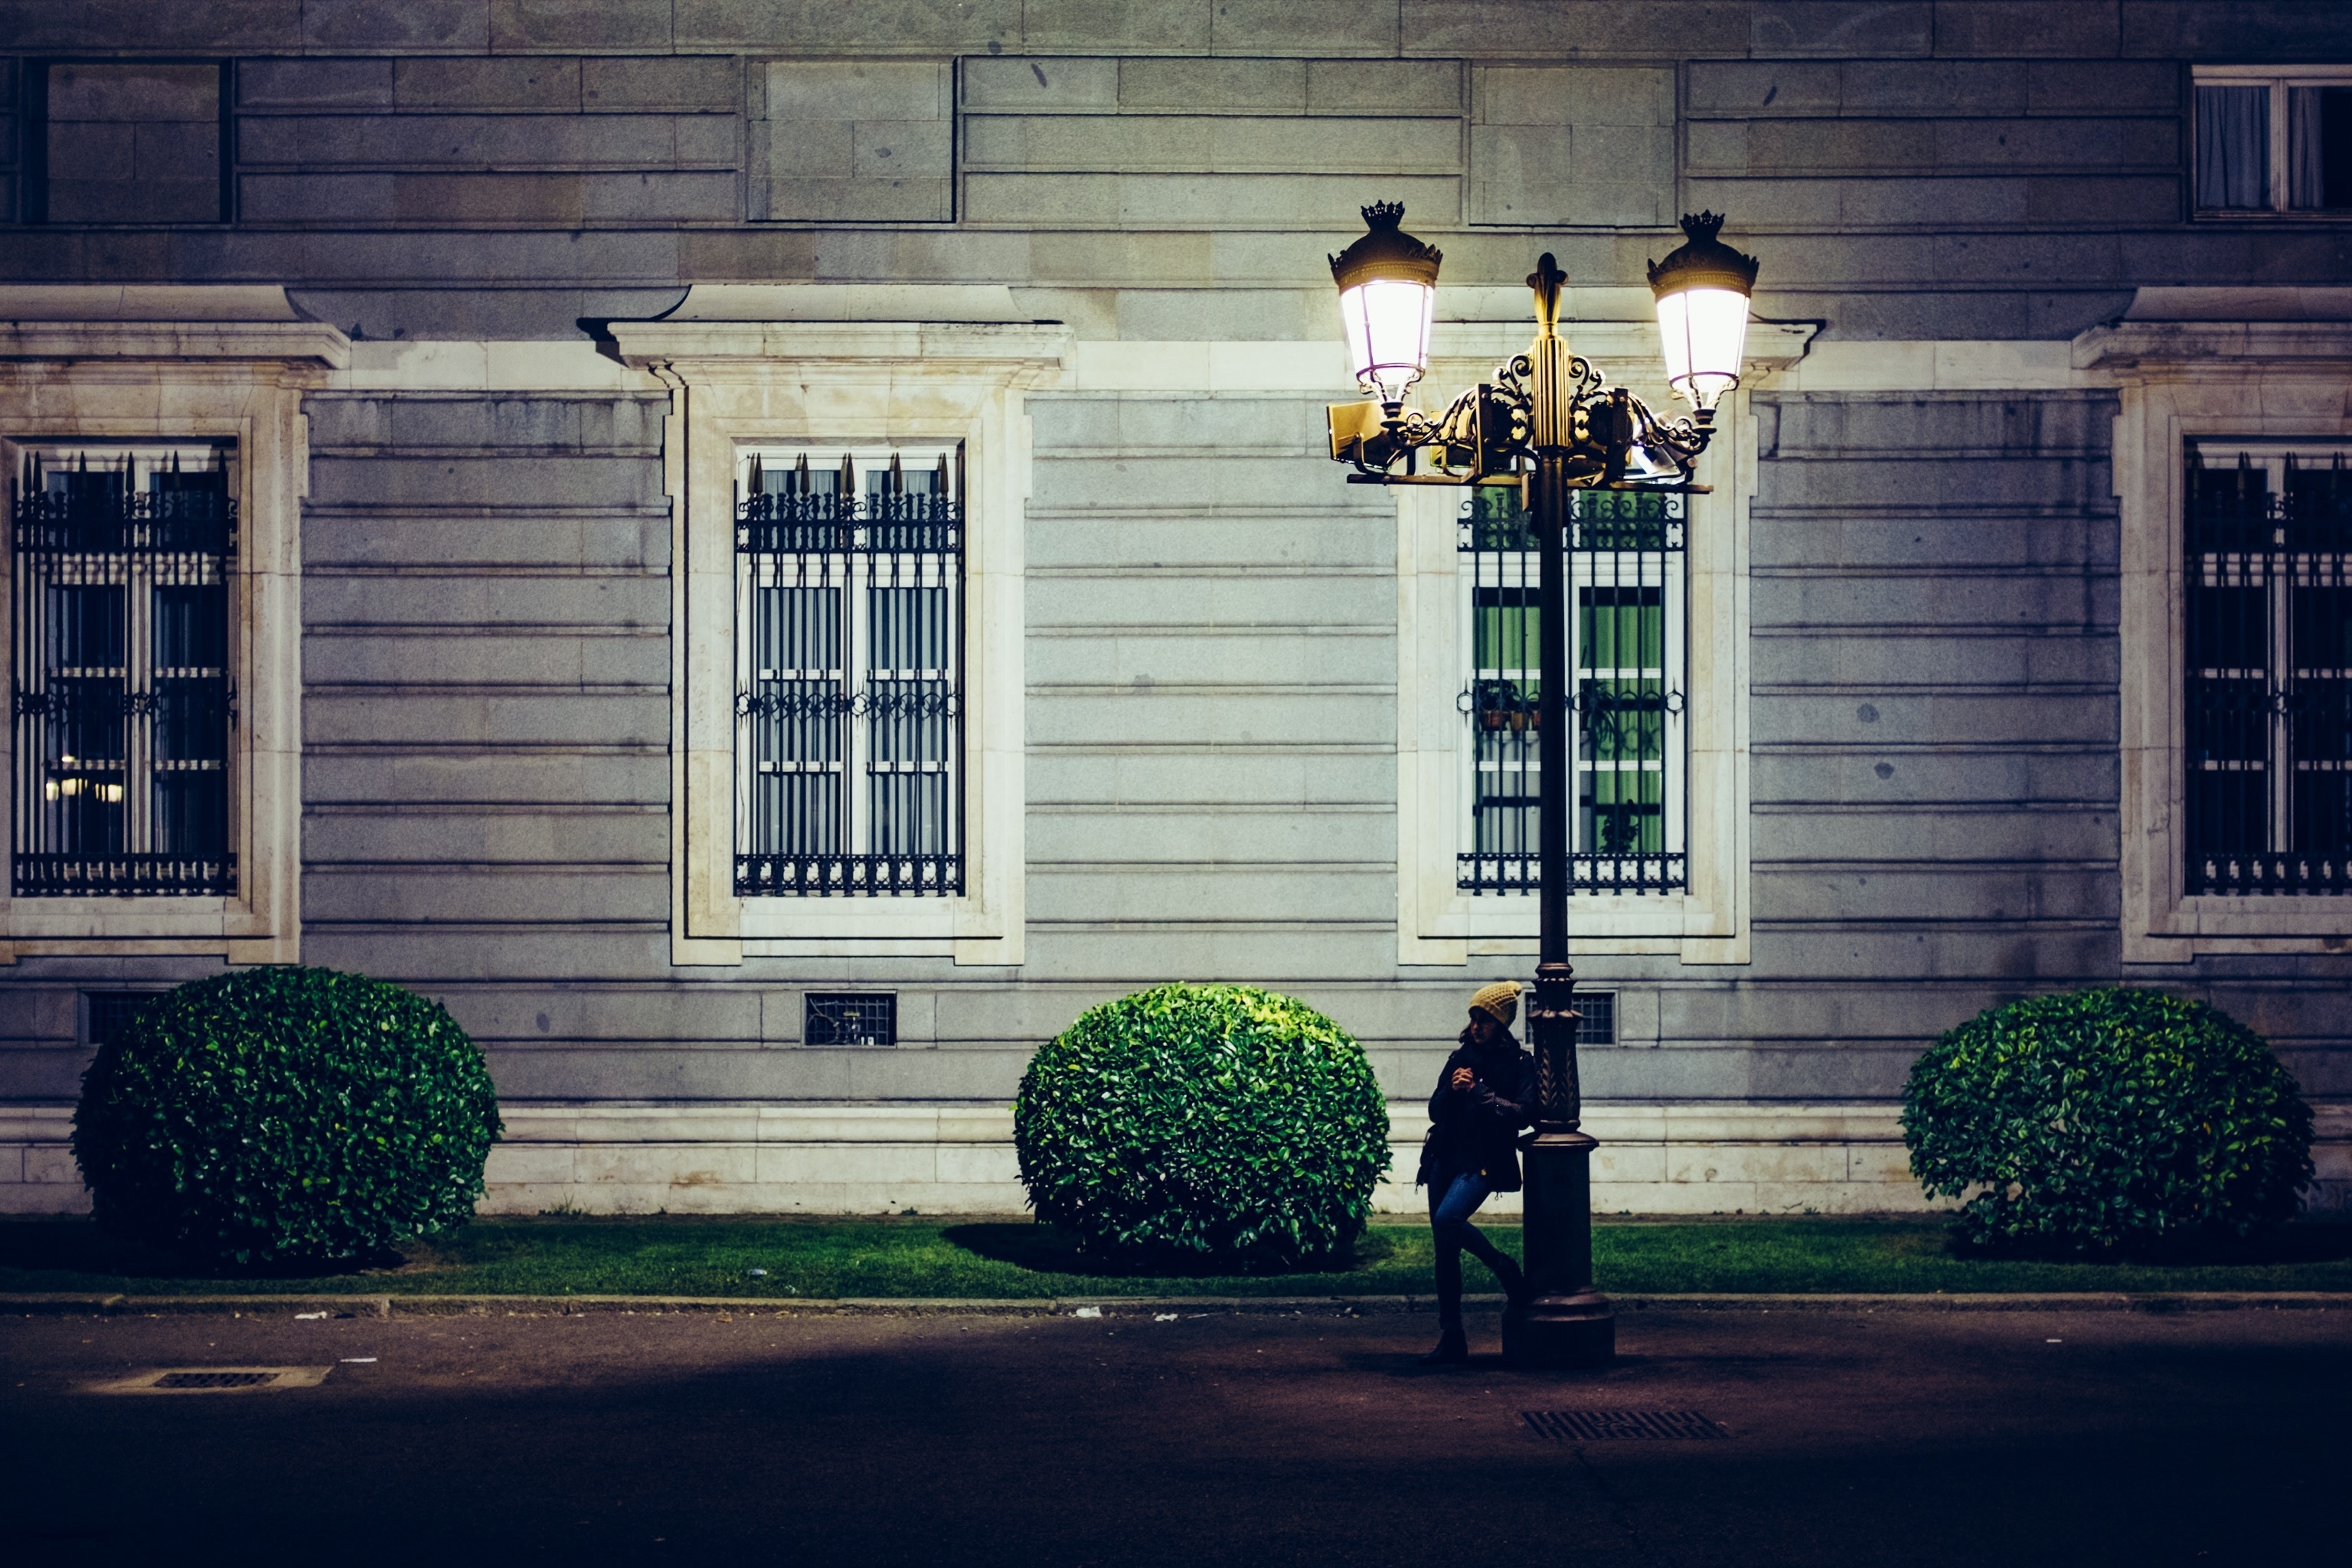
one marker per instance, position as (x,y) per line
(1548,424)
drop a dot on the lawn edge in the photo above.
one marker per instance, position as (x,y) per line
(44,1303)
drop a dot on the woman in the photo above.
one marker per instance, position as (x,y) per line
(1484,1095)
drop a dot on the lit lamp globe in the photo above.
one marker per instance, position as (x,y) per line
(1702,290)
(1388,297)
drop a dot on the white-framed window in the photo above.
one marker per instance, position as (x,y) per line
(2232,627)
(1660,646)
(1627,629)
(153,753)
(2266,685)
(2272,139)
(123,613)
(855,697)
(849,673)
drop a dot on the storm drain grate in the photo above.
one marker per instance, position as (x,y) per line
(213,1380)
(1611,1425)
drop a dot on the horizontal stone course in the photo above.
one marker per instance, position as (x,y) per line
(496,718)
(1813,657)
(1205,144)
(565,657)
(501,142)
(555,834)
(433,200)
(451,774)
(2016,892)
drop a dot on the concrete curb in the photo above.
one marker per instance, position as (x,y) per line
(72,1303)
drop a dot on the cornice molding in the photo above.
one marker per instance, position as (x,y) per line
(2206,348)
(145,303)
(190,344)
(1027,352)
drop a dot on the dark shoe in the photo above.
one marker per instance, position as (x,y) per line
(1452,1349)
(1515,1286)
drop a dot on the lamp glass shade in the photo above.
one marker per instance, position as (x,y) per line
(1387,320)
(1705,332)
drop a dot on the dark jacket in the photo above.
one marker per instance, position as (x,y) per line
(1476,1129)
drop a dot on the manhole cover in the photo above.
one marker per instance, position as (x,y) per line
(1610,1426)
(212,1380)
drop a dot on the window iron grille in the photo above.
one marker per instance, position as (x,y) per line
(851,1019)
(1625,584)
(2267,692)
(1596,1023)
(850,675)
(122,702)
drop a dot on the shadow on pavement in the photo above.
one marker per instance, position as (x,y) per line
(77,1246)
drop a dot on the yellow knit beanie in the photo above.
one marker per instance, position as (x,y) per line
(1499,1001)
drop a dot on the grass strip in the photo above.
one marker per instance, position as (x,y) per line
(1014,1259)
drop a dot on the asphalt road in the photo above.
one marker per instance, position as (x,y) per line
(1853,1438)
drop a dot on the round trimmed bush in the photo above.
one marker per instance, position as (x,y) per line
(2104,1121)
(268,1115)
(1203,1123)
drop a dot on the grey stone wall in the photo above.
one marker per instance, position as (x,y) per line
(1210,643)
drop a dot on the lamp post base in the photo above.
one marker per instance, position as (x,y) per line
(1566,1321)
(1578,1330)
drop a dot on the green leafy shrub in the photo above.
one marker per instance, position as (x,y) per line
(2107,1121)
(274,1114)
(1190,1125)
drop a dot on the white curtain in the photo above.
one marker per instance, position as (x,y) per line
(2233,144)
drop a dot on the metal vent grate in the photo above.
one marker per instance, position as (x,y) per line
(851,1020)
(1610,1426)
(212,1379)
(111,1011)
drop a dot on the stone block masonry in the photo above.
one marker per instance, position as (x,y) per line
(488,143)
(133,142)
(853,141)
(1231,687)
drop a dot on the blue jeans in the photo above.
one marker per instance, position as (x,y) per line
(1450,1204)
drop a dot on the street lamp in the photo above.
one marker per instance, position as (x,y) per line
(1550,424)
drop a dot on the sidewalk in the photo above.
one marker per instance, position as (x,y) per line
(1213,1439)
(55,1303)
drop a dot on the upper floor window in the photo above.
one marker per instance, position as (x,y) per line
(2273,140)
(2268,688)
(1624,584)
(849,673)
(123,703)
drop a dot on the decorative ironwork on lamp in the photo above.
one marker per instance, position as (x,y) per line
(1488,435)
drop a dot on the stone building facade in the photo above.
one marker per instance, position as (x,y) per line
(533,338)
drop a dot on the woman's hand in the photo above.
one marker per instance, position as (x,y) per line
(1463,1078)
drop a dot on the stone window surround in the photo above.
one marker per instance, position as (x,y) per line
(2276,379)
(84,363)
(1707,921)
(752,364)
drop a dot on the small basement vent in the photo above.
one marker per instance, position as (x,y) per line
(851,1019)
(106,1013)
(1597,1025)
(214,1379)
(1613,1425)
